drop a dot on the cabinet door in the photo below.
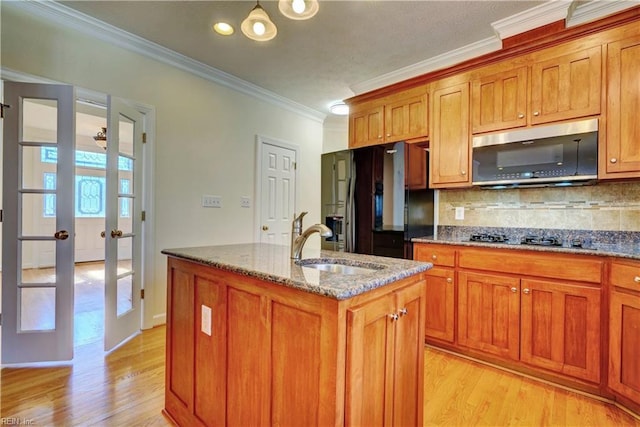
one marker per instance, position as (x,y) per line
(408,368)
(566,87)
(624,344)
(406,119)
(366,127)
(440,297)
(369,395)
(489,313)
(415,167)
(450,148)
(499,101)
(623,103)
(560,328)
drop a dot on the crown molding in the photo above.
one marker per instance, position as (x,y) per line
(70,18)
(546,13)
(597,9)
(490,44)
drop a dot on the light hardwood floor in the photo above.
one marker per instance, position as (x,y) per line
(126,388)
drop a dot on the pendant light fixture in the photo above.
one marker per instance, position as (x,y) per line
(298,9)
(257,26)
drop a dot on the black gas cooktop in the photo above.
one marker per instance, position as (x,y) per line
(529,239)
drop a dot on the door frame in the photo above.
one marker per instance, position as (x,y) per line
(149,320)
(261,140)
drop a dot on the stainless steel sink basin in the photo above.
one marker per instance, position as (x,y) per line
(340,266)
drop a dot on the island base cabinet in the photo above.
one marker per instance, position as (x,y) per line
(385,335)
(624,345)
(243,352)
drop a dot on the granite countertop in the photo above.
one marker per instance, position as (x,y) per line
(273,263)
(621,250)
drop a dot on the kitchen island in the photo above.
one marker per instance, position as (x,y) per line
(256,338)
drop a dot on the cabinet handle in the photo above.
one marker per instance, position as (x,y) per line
(514,290)
(434,257)
(403,311)
(536,113)
(449,280)
(521,116)
(613,160)
(636,279)
(526,291)
(393,317)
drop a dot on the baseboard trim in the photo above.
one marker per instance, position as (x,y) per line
(159,319)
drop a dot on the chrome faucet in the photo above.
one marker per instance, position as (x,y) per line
(299,237)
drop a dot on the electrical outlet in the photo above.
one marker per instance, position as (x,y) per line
(211,201)
(205,319)
(245,202)
(460,212)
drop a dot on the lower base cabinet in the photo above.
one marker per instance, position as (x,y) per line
(624,331)
(273,355)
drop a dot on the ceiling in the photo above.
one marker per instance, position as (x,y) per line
(318,61)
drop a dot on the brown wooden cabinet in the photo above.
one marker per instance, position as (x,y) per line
(440,291)
(489,313)
(450,146)
(566,86)
(402,116)
(620,156)
(275,355)
(499,101)
(560,327)
(366,127)
(384,360)
(624,330)
(415,161)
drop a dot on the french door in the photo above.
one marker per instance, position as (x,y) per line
(37,274)
(37,255)
(123,225)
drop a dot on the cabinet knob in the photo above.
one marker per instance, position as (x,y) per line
(449,280)
(379,136)
(403,311)
(536,113)
(463,172)
(388,134)
(434,257)
(526,291)
(514,289)
(521,116)
(613,160)
(393,317)
(636,279)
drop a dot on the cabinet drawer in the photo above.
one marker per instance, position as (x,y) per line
(625,275)
(435,254)
(554,266)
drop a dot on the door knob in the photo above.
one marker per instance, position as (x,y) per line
(103,234)
(61,235)
(265,227)
(116,233)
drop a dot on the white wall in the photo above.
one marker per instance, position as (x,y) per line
(336,134)
(205,134)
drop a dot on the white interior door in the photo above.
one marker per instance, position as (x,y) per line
(277,194)
(123,225)
(37,259)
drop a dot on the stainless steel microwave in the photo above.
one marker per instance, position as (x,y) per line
(554,155)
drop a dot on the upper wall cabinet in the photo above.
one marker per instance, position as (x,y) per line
(499,101)
(567,86)
(562,86)
(450,148)
(398,117)
(620,156)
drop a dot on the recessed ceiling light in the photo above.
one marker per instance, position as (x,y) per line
(223,28)
(339,108)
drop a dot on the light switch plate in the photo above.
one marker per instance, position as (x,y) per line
(211,201)
(459,212)
(245,202)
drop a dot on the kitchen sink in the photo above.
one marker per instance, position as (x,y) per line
(340,266)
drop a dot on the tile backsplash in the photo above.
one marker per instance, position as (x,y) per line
(605,206)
